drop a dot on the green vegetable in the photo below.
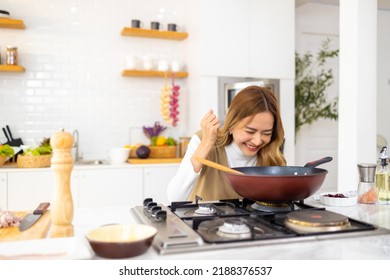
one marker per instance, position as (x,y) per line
(6,150)
(43,149)
(170,141)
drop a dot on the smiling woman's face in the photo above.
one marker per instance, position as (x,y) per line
(253,133)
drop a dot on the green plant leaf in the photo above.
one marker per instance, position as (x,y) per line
(311,81)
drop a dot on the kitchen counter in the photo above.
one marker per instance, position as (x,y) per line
(85,219)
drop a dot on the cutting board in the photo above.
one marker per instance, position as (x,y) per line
(37,231)
(154,160)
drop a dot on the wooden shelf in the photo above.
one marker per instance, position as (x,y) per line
(11,68)
(148,33)
(160,74)
(12,23)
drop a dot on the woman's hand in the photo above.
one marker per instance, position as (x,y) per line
(209,126)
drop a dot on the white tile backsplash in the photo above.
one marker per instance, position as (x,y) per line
(74,55)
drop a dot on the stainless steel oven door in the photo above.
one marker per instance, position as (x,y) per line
(228,87)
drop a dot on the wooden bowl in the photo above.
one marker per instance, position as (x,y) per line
(120,240)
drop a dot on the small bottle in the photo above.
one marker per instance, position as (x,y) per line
(383,177)
(11,55)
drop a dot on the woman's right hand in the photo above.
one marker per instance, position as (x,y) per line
(209,126)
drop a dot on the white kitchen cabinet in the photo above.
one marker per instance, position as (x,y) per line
(224,37)
(156,180)
(247,38)
(3,191)
(29,188)
(110,187)
(24,189)
(271,39)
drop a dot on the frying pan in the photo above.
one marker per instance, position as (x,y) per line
(278,183)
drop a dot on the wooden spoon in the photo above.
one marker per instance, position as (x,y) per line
(218,166)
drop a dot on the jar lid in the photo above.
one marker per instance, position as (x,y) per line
(367,172)
(11,47)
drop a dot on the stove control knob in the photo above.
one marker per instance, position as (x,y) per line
(150,205)
(147,200)
(161,215)
(154,209)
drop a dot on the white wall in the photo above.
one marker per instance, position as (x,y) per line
(314,22)
(74,55)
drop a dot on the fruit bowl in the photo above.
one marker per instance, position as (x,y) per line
(163,151)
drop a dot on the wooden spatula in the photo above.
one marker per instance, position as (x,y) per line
(218,166)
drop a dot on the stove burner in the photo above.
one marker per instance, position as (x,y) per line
(205,209)
(316,221)
(266,206)
(234,226)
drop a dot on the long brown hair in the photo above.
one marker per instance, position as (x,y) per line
(249,102)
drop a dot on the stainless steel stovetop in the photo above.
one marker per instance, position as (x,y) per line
(187,227)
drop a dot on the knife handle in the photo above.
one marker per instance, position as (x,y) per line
(41,208)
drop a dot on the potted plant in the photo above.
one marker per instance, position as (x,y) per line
(311,81)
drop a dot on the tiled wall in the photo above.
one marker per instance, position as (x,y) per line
(74,55)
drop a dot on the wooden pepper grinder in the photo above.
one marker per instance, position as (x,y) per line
(62,165)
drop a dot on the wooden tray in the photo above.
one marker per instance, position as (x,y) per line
(153,160)
(37,231)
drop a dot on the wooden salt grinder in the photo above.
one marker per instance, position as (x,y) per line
(62,165)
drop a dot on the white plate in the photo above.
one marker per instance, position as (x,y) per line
(350,200)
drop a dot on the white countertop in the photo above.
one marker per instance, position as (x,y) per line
(85,219)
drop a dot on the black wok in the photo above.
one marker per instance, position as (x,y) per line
(278,183)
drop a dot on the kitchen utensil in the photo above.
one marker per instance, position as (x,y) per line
(121,240)
(38,231)
(62,164)
(278,183)
(11,141)
(218,166)
(31,219)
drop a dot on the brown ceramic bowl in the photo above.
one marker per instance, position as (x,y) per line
(121,241)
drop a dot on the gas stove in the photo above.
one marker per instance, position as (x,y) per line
(185,226)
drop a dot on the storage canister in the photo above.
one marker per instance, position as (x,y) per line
(11,55)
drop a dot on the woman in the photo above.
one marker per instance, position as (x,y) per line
(251,136)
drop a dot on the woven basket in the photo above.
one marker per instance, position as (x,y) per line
(163,151)
(3,159)
(34,161)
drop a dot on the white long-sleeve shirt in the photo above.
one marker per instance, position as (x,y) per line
(180,186)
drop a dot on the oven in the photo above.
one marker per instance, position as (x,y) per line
(228,87)
(186,226)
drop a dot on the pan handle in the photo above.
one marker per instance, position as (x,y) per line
(318,162)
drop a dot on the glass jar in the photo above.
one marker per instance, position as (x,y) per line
(183,141)
(11,55)
(367,191)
